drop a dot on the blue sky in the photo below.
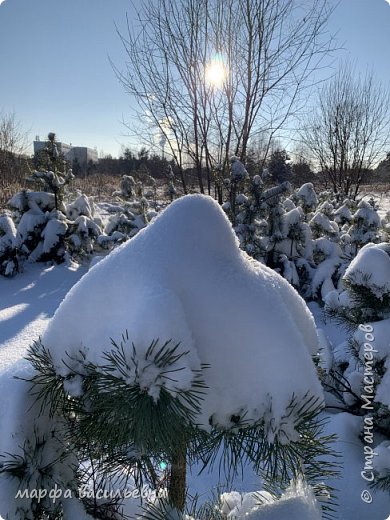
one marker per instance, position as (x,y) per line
(56,76)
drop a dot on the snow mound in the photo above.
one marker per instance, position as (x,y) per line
(184,278)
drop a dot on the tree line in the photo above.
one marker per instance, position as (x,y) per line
(268,56)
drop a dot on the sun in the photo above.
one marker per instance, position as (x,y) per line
(215,72)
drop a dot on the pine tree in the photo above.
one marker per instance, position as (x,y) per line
(365,225)
(8,257)
(77,415)
(55,177)
(278,167)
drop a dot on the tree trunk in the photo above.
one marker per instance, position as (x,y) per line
(183,182)
(177,481)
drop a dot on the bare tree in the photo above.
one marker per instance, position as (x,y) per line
(266,51)
(348,132)
(13,144)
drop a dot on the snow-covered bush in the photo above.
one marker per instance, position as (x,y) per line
(360,375)
(40,227)
(234,185)
(40,216)
(127,187)
(8,260)
(53,182)
(293,236)
(36,231)
(83,232)
(82,206)
(83,228)
(150,373)
(170,191)
(125,223)
(365,225)
(39,232)
(151,188)
(367,283)
(343,214)
(321,223)
(256,217)
(52,174)
(329,266)
(307,196)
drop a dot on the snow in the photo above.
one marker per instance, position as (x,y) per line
(367,213)
(288,205)
(381,461)
(238,170)
(241,199)
(81,206)
(321,221)
(379,349)
(326,355)
(342,215)
(297,503)
(381,341)
(350,485)
(307,194)
(327,248)
(26,304)
(184,279)
(30,220)
(360,270)
(35,200)
(54,229)
(7,232)
(334,300)
(291,218)
(289,271)
(257,180)
(323,276)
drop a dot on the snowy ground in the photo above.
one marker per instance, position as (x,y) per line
(28,301)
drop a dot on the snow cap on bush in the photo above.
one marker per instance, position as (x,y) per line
(184,278)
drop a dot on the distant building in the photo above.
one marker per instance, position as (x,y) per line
(81,155)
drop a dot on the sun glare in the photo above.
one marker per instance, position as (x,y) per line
(215,73)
